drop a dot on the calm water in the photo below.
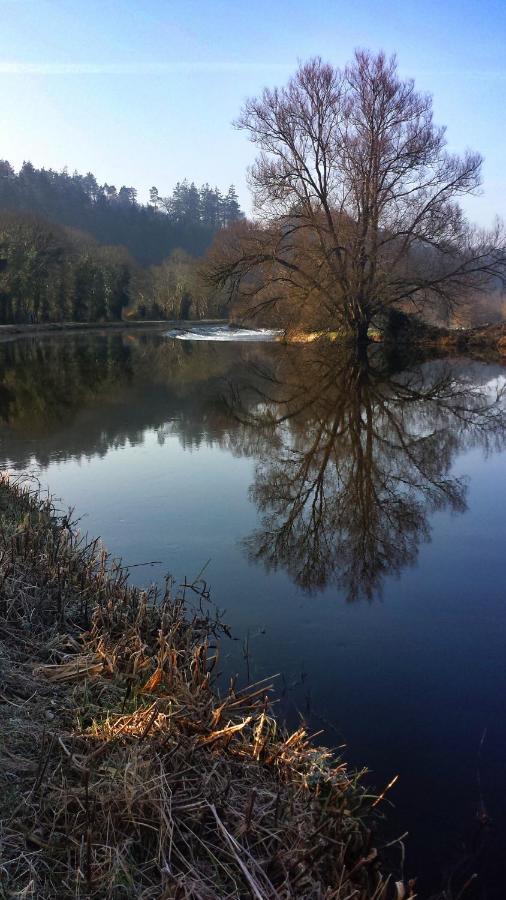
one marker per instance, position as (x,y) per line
(353,521)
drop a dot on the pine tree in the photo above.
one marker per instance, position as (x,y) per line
(210,206)
(231,208)
(154,197)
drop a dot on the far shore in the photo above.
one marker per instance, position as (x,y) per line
(15,330)
(487,342)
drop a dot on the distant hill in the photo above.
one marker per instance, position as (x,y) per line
(188,219)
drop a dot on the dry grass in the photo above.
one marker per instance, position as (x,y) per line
(487,342)
(124,774)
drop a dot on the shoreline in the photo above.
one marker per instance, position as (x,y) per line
(7,332)
(483,342)
(124,769)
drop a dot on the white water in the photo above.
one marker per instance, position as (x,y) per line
(223,333)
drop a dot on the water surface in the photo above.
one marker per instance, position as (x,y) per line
(351,514)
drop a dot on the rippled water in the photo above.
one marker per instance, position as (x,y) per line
(351,518)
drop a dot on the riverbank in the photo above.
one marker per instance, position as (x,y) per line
(7,332)
(309,337)
(123,772)
(486,342)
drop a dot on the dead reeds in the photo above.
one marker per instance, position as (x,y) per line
(124,773)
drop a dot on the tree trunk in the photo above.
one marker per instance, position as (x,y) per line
(361,333)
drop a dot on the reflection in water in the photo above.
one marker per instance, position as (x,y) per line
(354,459)
(351,458)
(78,396)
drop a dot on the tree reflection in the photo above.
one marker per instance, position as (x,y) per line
(351,457)
(353,461)
(71,396)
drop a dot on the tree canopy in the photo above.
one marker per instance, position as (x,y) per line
(50,274)
(186,219)
(71,249)
(357,199)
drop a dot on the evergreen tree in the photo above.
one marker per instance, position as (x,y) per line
(231,210)
(154,197)
(187,219)
(66,240)
(210,206)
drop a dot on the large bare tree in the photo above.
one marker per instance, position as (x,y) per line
(357,200)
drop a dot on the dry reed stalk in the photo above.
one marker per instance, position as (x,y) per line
(124,773)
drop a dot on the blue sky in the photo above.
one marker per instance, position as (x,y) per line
(143,92)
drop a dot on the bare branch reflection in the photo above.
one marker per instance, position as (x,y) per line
(353,460)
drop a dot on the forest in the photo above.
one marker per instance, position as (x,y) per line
(74,250)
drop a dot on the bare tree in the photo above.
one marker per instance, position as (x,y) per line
(357,200)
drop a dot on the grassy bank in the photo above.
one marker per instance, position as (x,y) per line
(309,337)
(485,342)
(123,772)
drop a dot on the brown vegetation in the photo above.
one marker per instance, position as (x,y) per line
(123,772)
(485,342)
(358,203)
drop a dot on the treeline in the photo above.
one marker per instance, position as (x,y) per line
(177,289)
(186,219)
(73,250)
(49,273)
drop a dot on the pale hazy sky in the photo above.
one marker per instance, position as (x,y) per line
(143,92)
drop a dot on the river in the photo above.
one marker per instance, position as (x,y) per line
(350,517)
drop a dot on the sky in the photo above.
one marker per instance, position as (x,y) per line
(144,92)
